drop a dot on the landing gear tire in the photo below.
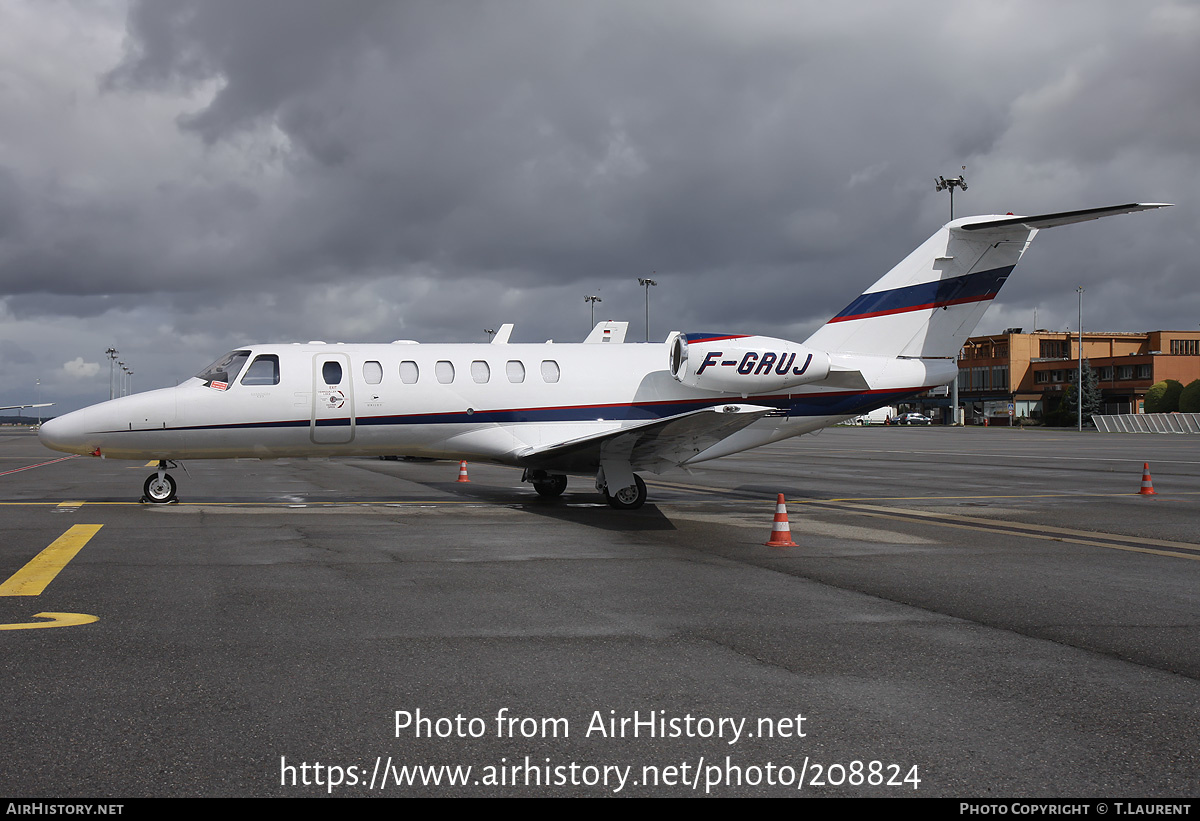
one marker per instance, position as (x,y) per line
(159,490)
(551,487)
(628,498)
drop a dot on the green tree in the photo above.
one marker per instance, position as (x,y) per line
(1189,398)
(1159,399)
(1092,398)
(1171,397)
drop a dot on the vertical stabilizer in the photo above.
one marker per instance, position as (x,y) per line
(932,301)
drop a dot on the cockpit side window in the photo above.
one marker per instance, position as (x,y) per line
(264,370)
(222,373)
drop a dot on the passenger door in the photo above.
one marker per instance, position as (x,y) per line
(333,400)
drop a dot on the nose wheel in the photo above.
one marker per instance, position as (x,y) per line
(159,487)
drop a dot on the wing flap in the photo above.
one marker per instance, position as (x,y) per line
(654,445)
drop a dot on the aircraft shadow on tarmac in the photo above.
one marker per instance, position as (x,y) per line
(578,508)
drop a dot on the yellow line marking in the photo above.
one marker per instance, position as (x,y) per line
(1026,530)
(983,520)
(56,620)
(407,503)
(33,578)
(1060,495)
(79,503)
(153,463)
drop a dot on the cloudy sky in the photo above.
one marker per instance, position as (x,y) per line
(180,177)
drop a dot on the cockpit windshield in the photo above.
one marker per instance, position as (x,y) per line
(220,374)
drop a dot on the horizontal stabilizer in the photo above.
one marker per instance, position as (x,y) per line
(654,445)
(1061,218)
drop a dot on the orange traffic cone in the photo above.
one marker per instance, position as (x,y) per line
(1147,484)
(781,531)
(462,471)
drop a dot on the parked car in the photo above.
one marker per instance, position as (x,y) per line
(879,416)
(914,419)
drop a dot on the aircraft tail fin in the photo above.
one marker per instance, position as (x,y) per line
(931,302)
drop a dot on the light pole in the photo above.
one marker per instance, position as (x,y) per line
(647,284)
(1079,383)
(491,332)
(121,383)
(593,300)
(112,359)
(943,184)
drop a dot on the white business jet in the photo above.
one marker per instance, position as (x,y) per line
(604,407)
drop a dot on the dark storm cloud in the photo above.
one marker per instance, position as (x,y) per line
(290,169)
(573,141)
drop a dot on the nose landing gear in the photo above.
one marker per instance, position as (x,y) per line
(159,488)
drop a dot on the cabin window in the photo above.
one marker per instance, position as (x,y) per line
(372,372)
(264,370)
(224,371)
(515,370)
(409,372)
(550,371)
(480,371)
(331,372)
(444,371)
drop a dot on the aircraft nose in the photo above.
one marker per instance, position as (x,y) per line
(65,433)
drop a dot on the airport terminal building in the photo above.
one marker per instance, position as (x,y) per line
(1030,371)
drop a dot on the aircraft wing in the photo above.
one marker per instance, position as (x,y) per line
(654,445)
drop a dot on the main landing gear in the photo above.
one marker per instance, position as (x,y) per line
(547,485)
(160,487)
(628,498)
(622,488)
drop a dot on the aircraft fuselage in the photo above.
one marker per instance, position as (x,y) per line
(455,401)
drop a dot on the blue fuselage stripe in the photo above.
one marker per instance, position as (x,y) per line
(939,293)
(801,405)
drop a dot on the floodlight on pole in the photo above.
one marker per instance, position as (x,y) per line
(593,300)
(491,332)
(647,284)
(112,359)
(1079,384)
(943,184)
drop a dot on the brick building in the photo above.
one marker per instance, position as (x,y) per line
(1030,371)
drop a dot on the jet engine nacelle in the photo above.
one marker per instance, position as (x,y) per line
(744,364)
